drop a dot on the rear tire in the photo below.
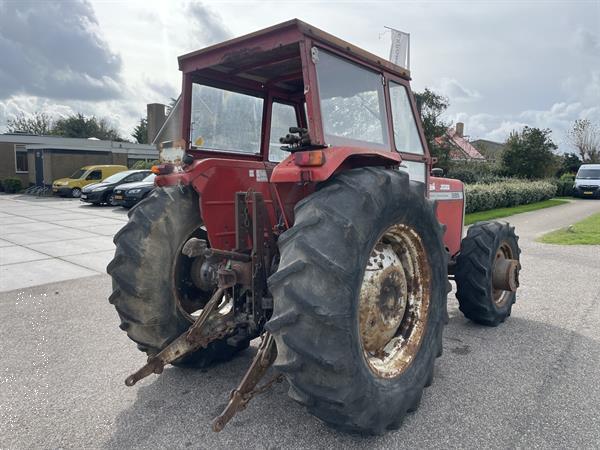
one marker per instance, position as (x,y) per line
(476,296)
(317,299)
(144,285)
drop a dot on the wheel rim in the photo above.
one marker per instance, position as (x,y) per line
(394,301)
(188,297)
(504,252)
(76,192)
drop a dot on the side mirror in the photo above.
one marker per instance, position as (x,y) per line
(437,172)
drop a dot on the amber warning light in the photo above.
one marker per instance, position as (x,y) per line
(311,158)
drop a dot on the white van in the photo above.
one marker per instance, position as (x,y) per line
(587,181)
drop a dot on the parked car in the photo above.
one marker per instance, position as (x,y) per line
(71,186)
(129,194)
(100,193)
(587,181)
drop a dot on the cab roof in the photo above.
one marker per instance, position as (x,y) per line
(273,56)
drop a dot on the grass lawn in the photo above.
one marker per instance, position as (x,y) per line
(585,232)
(505,212)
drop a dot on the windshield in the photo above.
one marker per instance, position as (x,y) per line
(589,174)
(225,120)
(78,174)
(150,177)
(116,177)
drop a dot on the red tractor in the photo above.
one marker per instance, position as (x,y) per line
(298,205)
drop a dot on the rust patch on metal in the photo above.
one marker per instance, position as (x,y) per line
(394,301)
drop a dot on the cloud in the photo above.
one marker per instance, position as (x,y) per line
(587,42)
(456,92)
(55,50)
(209,27)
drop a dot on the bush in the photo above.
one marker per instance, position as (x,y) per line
(472,171)
(564,185)
(144,164)
(481,197)
(12,185)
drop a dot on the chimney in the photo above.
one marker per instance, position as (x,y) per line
(460,129)
(156,118)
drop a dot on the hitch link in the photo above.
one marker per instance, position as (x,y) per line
(264,358)
(189,341)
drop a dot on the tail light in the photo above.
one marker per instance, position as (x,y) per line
(310,158)
(163,169)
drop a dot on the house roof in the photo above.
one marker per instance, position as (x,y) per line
(64,143)
(462,149)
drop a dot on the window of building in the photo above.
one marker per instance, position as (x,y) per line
(352,103)
(21,165)
(282,118)
(406,134)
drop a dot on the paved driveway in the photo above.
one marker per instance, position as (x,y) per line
(43,240)
(530,383)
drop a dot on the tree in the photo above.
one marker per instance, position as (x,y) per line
(140,132)
(431,107)
(38,123)
(79,126)
(529,154)
(585,137)
(569,163)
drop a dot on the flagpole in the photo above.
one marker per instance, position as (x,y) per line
(408,53)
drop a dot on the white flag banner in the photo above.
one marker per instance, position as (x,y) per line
(400,49)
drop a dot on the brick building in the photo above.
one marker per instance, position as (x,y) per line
(38,160)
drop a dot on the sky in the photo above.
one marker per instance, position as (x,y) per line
(502,64)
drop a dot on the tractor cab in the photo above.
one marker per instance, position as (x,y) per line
(241,99)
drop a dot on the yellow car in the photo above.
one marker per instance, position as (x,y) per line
(72,185)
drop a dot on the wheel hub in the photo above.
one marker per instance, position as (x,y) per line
(394,301)
(383,298)
(505,274)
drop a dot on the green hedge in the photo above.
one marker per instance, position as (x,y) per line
(481,197)
(12,185)
(564,185)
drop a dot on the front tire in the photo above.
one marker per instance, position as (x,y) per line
(75,193)
(485,243)
(152,288)
(326,351)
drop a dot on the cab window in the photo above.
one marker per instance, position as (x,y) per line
(223,120)
(283,117)
(94,175)
(406,134)
(352,103)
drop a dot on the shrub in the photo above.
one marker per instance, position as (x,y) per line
(144,164)
(564,185)
(12,185)
(472,171)
(481,197)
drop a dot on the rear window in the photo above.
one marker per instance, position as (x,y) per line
(352,103)
(588,174)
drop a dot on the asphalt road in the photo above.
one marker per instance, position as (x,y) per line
(533,382)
